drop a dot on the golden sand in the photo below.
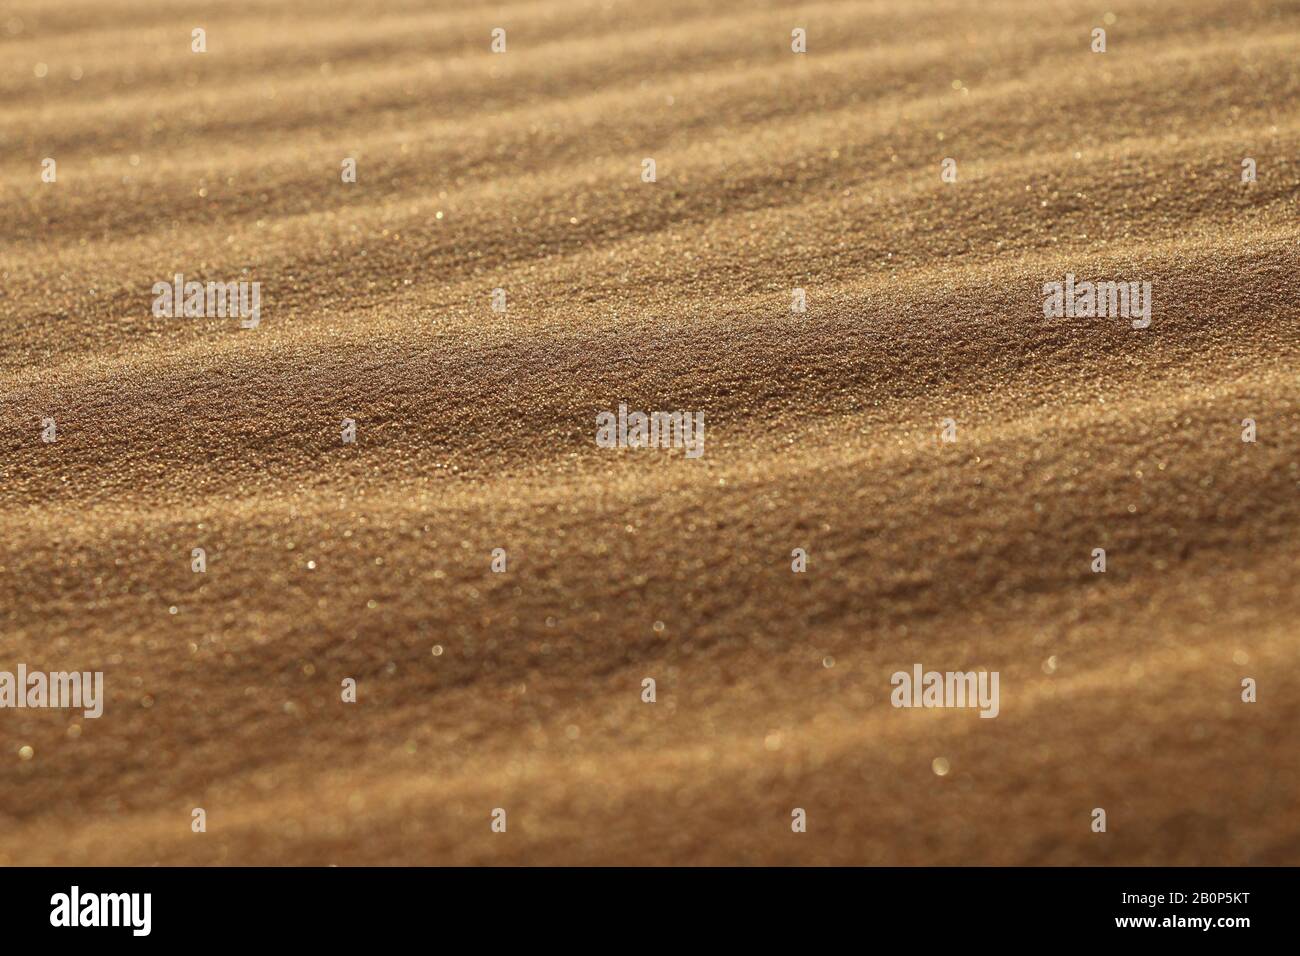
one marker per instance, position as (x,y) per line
(522,690)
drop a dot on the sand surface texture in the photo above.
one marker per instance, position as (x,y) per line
(476,430)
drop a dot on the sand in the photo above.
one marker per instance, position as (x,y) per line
(475,429)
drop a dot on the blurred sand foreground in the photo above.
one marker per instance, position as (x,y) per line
(475,431)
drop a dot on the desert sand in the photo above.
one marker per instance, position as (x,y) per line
(522,690)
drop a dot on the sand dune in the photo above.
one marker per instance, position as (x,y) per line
(475,431)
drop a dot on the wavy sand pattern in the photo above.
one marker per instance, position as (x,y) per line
(476,431)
